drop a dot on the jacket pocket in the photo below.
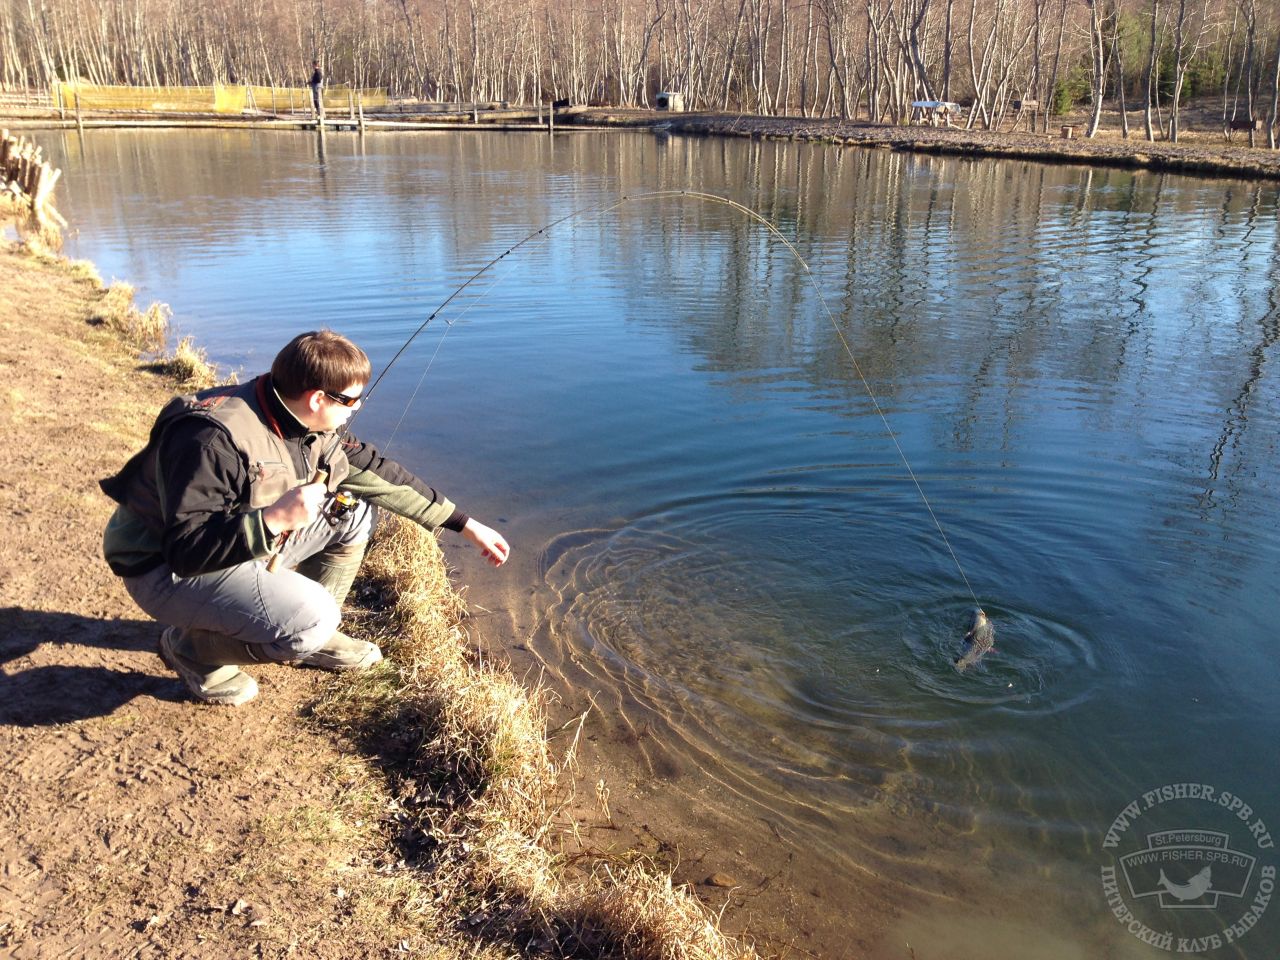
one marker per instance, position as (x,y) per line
(269,480)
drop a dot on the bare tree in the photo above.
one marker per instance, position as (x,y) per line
(1248,11)
(1098,49)
(1117,57)
(838,57)
(1193,27)
(1275,95)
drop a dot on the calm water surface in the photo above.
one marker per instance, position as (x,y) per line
(713,531)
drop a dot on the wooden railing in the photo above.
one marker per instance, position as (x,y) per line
(38,98)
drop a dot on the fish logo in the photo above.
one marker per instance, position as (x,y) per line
(1193,889)
(1188,869)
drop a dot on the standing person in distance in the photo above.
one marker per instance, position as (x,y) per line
(316,83)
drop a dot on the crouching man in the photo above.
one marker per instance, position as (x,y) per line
(223,482)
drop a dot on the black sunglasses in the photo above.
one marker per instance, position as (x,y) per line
(342,398)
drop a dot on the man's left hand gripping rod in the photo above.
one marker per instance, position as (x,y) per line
(273,563)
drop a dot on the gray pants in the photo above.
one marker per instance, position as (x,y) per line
(284,615)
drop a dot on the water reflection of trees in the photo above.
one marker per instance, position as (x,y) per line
(1109,310)
(996,275)
(1230,459)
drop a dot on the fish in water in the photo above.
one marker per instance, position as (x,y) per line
(981,639)
(1193,889)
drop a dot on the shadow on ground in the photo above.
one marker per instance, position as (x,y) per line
(70,681)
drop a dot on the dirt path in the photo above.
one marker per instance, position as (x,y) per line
(134,823)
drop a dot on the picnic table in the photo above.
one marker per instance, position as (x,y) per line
(934,112)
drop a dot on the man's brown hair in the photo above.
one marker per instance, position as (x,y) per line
(319,360)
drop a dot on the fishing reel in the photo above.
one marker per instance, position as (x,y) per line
(337,507)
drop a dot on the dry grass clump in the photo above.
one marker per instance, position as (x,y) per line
(147,331)
(14,207)
(188,365)
(144,331)
(85,271)
(478,788)
(40,243)
(655,918)
(43,243)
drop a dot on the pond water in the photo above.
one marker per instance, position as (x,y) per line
(715,534)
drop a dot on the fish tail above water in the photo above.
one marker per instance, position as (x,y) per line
(981,639)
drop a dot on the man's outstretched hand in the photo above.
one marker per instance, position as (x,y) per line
(491,543)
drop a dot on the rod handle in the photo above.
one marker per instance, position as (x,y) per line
(273,564)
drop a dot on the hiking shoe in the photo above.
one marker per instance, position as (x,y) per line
(341,653)
(219,682)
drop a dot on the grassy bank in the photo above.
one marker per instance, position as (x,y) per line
(481,791)
(414,808)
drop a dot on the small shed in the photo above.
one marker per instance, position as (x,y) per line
(671,101)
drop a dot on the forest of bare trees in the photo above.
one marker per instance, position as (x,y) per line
(849,58)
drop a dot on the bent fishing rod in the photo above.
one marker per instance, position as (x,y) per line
(599,210)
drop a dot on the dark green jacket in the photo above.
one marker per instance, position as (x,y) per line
(193,497)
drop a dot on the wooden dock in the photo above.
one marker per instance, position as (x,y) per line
(354,119)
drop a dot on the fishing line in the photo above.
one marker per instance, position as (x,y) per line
(449,322)
(604,208)
(386,447)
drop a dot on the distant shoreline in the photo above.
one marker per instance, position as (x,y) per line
(1193,156)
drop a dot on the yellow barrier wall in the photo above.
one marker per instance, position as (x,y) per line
(215,99)
(230,99)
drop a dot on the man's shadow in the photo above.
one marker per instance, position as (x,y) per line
(60,693)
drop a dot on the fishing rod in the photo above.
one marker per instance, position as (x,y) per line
(655,195)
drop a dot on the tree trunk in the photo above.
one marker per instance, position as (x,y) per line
(804,61)
(1275,98)
(1152,59)
(1097,47)
(730,54)
(1117,57)
(1057,60)
(947,51)
(1250,10)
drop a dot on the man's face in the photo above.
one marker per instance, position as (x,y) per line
(329,411)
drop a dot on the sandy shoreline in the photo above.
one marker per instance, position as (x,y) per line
(131,819)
